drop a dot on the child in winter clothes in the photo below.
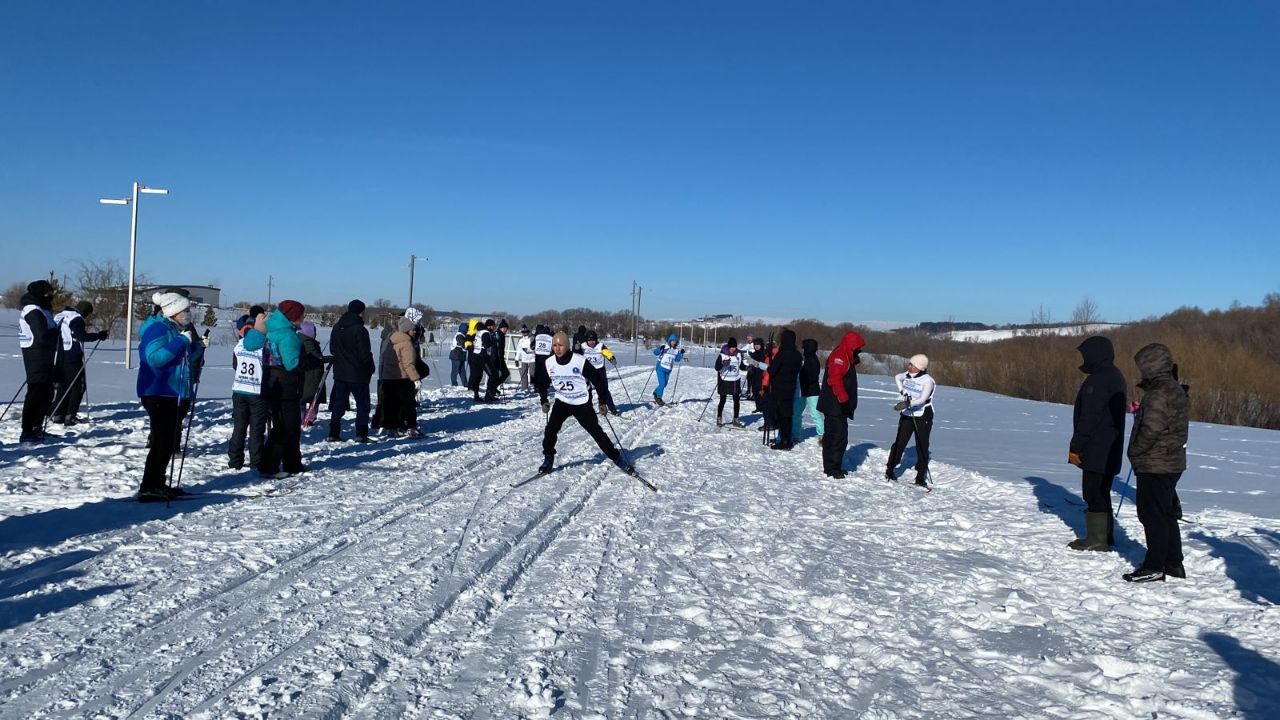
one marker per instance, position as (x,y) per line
(597,353)
(399,373)
(542,353)
(810,385)
(71,381)
(283,390)
(525,356)
(729,371)
(916,387)
(458,356)
(668,355)
(313,391)
(567,371)
(38,338)
(248,406)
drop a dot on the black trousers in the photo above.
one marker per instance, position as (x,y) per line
(727,388)
(166,428)
(1095,488)
(339,403)
(476,367)
(284,442)
(586,417)
(399,405)
(541,380)
(35,407)
(781,407)
(249,417)
(68,392)
(498,373)
(921,427)
(835,440)
(1158,515)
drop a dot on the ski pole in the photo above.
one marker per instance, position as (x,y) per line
(646,380)
(676,384)
(618,372)
(315,401)
(1122,492)
(191,413)
(67,390)
(14,400)
(714,387)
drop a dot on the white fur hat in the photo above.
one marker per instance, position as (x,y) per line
(170,303)
(413,314)
(921,361)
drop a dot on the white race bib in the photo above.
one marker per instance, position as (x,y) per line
(250,369)
(542,344)
(668,358)
(593,355)
(571,388)
(730,367)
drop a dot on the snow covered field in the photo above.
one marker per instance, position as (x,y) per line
(410,578)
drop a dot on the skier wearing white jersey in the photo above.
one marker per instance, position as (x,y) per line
(916,386)
(572,377)
(542,353)
(597,353)
(729,370)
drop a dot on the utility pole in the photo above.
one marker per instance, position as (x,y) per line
(271,279)
(412,260)
(636,290)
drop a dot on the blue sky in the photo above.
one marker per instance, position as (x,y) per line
(845,161)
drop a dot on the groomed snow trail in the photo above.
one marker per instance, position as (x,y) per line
(410,578)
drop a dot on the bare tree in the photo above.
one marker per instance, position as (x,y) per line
(13,295)
(1086,313)
(105,284)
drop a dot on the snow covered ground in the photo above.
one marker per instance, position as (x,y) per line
(411,578)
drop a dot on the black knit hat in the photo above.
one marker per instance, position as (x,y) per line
(355,306)
(40,289)
(85,308)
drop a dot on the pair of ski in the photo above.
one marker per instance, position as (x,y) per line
(631,471)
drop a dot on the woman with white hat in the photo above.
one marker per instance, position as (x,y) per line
(916,417)
(164,380)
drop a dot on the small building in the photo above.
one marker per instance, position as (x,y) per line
(199,294)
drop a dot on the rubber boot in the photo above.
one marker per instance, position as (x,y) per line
(1096,526)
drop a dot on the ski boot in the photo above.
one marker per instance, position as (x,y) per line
(546,466)
(624,466)
(658,401)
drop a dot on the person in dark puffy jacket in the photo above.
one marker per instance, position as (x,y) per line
(1097,439)
(810,387)
(71,382)
(783,382)
(1158,453)
(353,369)
(38,338)
(838,401)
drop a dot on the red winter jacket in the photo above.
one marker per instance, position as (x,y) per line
(840,386)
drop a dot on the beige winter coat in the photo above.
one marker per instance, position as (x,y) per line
(398,358)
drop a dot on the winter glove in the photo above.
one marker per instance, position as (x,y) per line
(327,359)
(204,339)
(417,385)
(1134,405)
(99,336)
(189,335)
(1074,459)
(903,404)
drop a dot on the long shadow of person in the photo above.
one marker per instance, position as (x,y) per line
(1070,509)
(1257,685)
(42,529)
(1255,577)
(856,455)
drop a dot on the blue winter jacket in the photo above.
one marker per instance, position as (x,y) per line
(166,359)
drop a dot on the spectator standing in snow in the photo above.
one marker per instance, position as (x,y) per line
(248,408)
(353,369)
(164,382)
(755,374)
(71,384)
(496,362)
(285,369)
(810,386)
(1097,438)
(728,372)
(783,379)
(458,357)
(38,338)
(399,372)
(916,387)
(314,360)
(668,355)
(838,400)
(479,358)
(1158,453)
(572,377)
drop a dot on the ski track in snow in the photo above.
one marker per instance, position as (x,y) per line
(409,578)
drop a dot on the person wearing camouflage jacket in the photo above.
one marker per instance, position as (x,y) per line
(1158,453)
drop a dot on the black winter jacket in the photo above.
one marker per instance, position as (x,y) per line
(1098,420)
(352,355)
(811,372)
(39,359)
(784,369)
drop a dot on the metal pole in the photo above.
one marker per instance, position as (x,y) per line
(270,281)
(133,252)
(411,259)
